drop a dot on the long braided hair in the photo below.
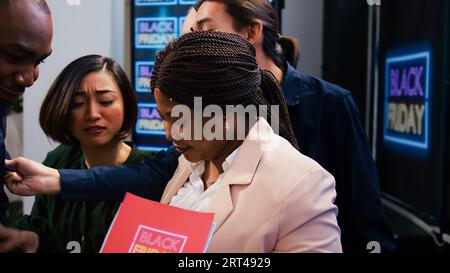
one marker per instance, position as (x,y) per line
(221,68)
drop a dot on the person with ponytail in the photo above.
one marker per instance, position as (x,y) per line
(238,179)
(261,203)
(324,118)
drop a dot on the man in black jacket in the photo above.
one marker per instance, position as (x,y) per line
(25,41)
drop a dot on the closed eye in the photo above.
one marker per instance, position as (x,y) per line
(106,103)
(77,104)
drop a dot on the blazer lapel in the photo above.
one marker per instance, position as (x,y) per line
(241,171)
(180,177)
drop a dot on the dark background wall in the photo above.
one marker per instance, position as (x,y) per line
(345,46)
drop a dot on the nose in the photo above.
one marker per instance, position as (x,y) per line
(93,111)
(27,76)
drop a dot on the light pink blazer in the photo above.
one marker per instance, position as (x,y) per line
(272,199)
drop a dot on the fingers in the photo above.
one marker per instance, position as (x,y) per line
(13,177)
(11,164)
(31,244)
(12,182)
(3,233)
(7,239)
(12,240)
(7,246)
(11,167)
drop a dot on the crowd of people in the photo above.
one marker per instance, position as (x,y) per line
(323,196)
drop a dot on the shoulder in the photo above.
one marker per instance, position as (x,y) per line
(305,193)
(63,150)
(299,167)
(271,152)
(136,155)
(302,176)
(297,85)
(63,156)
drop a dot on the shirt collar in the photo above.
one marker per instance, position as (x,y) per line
(198,168)
(229,160)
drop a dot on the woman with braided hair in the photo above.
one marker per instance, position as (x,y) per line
(324,118)
(238,179)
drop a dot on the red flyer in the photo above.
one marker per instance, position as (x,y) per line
(145,226)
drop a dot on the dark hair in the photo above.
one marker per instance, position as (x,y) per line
(280,49)
(220,68)
(42,4)
(56,109)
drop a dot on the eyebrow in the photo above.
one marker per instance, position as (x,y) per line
(27,51)
(203,21)
(101,92)
(45,56)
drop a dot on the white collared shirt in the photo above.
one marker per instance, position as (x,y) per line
(192,195)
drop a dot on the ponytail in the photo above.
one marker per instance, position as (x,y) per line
(270,94)
(290,50)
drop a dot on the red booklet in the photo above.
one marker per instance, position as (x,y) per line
(144,226)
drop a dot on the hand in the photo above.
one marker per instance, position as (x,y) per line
(31,178)
(12,239)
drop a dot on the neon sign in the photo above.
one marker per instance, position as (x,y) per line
(180,24)
(155,2)
(149,122)
(406,104)
(143,72)
(187,2)
(155,32)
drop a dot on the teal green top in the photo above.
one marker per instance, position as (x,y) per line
(57,223)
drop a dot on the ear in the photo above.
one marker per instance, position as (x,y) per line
(255,33)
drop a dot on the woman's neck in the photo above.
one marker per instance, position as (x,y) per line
(266,63)
(213,168)
(112,154)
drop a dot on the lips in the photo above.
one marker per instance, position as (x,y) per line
(10,94)
(182,149)
(94,129)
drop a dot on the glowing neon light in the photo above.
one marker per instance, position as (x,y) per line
(155,32)
(406,105)
(149,122)
(143,72)
(151,148)
(181,22)
(154,2)
(187,2)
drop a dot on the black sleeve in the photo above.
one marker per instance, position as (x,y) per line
(363,215)
(146,179)
(4,203)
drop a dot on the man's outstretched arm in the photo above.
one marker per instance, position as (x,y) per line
(146,179)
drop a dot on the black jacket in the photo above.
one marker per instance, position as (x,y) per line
(327,125)
(4,202)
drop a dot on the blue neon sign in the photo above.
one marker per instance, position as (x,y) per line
(155,32)
(143,72)
(406,103)
(180,24)
(187,2)
(155,2)
(151,148)
(149,122)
